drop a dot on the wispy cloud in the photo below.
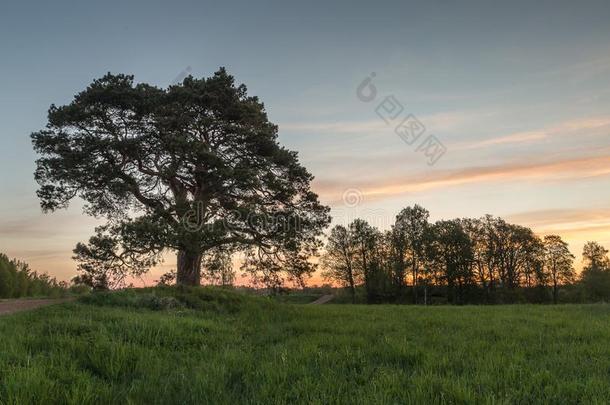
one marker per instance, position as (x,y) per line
(442,121)
(513,171)
(30,255)
(564,219)
(29,227)
(590,126)
(517,137)
(456,121)
(44,226)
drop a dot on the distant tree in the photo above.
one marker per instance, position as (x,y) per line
(18,280)
(339,260)
(190,168)
(450,252)
(365,239)
(411,224)
(558,263)
(7,277)
(514,245)
(397,260)
(595,276)
(380,280)
(481,268)
(533,269)
(595,257)
(489,244)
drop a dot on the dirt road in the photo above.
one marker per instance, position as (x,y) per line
(323,299)
(12,306)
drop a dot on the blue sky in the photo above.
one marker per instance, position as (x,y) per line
(519,93)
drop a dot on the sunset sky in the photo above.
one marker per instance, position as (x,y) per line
(518,93)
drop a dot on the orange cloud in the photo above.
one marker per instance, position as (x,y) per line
(576,223)
(567,169)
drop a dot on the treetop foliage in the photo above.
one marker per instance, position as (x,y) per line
(469,260)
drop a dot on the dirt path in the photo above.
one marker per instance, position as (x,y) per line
(12,306)
(323,299)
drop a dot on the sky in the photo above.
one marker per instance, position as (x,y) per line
(517,93)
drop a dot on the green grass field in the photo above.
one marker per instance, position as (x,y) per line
(237,349)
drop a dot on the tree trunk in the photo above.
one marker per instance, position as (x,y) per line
(414,281)
(367,274)
(352,286)
(426,293)
(189,268)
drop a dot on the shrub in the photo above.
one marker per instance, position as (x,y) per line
(214,299)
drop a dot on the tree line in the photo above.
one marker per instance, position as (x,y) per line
(461,261)
(18,280)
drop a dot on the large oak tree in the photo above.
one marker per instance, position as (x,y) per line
(190,168)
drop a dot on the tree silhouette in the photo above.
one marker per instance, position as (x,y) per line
(365,239)
(450,251)
(596,272)
(339,260)
(411,224)
(558,262)
(190,168)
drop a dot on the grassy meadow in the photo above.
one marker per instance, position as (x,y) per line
(214,346)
